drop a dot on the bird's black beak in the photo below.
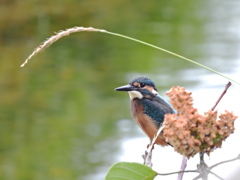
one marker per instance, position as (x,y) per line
(125,88)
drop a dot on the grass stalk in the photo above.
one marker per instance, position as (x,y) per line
(69,31)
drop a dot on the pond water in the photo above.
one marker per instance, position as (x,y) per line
(60,117)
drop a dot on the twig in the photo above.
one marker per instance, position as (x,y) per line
(201,154)
(204,170)
(183,167)
(223,162)
(224,92)
(219,99)
(216,175)
(177,172)
(148,153)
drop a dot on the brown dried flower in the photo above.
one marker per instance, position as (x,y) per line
(190,132)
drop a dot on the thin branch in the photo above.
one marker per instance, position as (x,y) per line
(156,136)
(198,177)
(216,175)
(201,154)
(148,153)
(177,172)
(204,170)
(219,99)
(183,167)
(223,162)
(221,96)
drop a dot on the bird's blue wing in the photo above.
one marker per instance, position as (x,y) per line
(156,108)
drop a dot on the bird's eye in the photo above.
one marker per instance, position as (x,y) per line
(142,84)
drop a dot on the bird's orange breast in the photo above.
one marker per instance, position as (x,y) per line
(146,123)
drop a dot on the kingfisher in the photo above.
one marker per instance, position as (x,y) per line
(147,107)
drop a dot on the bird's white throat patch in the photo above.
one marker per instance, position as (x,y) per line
(154,92)
(135,94)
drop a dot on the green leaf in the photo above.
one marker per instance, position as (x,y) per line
(130,171)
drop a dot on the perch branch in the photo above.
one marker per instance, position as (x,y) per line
(148,153)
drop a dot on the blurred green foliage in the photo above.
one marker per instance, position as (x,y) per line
(58,114)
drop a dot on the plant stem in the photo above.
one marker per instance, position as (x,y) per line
(172,53)
(221,96)
(183,167)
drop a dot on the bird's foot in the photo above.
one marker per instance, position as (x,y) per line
(150,145)
(147,158)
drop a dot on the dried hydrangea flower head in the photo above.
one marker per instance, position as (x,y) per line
(190,132)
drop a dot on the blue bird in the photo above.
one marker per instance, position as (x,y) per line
(147,106)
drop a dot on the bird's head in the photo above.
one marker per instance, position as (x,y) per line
(140,87)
